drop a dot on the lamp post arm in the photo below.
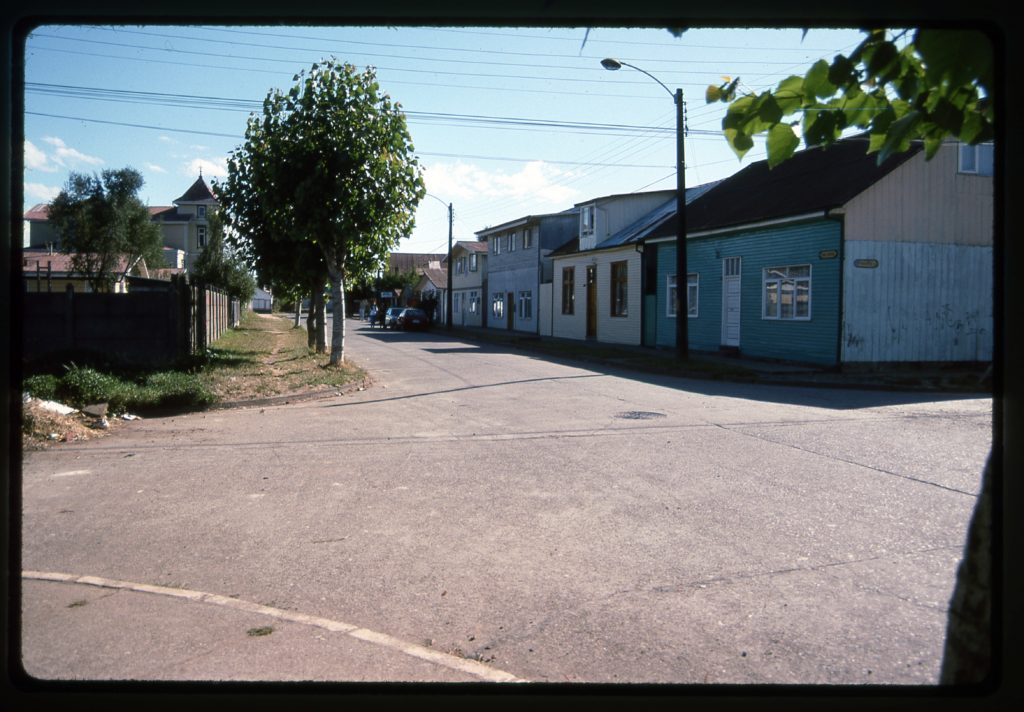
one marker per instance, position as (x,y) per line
(627,64)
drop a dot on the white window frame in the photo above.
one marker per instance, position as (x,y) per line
(201,235)
(977,160)
(569,300)
(526,304)
(498,305)
(474,301)
(528,238)
(692,296)
(201,211)
(496,245)
(472,262)
(512,241)
(778,282)
(587,215)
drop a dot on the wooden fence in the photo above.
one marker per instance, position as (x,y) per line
(155,324)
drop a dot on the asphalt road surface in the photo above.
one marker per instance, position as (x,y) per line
(542,520)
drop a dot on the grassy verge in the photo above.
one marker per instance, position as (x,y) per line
(266,357)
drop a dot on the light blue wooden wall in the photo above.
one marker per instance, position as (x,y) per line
(812,341)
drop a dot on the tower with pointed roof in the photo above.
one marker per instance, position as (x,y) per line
(185,225)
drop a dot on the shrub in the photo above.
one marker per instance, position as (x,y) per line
(43,387)
(83,386)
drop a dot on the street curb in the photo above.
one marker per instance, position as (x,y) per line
(344,390)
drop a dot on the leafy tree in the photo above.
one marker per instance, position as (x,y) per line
(104,226)
(220,267)
(329,163)
(939,85)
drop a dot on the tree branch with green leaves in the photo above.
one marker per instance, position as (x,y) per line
(923,85)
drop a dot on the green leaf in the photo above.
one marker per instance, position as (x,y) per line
(782,142)
(960,57)
(713,94)
(819,127)
(789,95)
(738,141)
(816,82)
(899,135)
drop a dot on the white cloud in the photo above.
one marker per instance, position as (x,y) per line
(155,168)
(40,193)
(65,156)
(214,169)
(36,160)
(537,181)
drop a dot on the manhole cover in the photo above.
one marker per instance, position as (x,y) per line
(639,415)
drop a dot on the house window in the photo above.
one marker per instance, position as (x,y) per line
(587,220)
(787,292)
(619,285)
(496,245)
(472,262)
(568,290)
(527,238)
(976,160)
(498,305)
(692,296)
(526,305)
(512,242)
(201,211)
(474,302)
(201,235)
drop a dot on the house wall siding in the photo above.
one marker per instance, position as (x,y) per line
(923,302)
(513,280)
(610,329)
(925,201)
(812,341)
(570,326)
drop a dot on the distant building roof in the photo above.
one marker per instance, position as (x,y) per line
(198,193)
(412,261)
(57,262)
(437,277)
(471,245)
(525,220)
(40,211)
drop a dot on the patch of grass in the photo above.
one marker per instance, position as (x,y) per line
(268,357)
(123,391)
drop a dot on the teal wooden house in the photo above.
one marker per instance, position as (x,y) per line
(832,259)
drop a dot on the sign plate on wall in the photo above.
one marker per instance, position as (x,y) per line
(868,264)
(828,254)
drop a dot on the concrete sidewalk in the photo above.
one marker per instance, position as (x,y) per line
(954,378)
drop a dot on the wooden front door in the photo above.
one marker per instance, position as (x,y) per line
(591,301)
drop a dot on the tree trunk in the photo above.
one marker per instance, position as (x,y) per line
(968,655)
(298,311)
(321,322)
(338,329)
(311,323)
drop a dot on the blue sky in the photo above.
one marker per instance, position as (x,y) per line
(506,121)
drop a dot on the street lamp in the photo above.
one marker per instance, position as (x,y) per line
(682,288)
(448,290)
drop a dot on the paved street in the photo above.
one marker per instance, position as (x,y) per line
(539,521)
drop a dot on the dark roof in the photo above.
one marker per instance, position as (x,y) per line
(197,193)
(813,180)
(472,245)
(40,211)
(568,248)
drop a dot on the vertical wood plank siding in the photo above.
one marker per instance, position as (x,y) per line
(924,302)
(813,341)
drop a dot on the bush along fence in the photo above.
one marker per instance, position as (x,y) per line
(156,323)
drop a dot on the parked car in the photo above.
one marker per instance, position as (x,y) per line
(412,319)
(391,317)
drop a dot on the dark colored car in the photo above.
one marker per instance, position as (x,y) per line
(391,317)
(412,319)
